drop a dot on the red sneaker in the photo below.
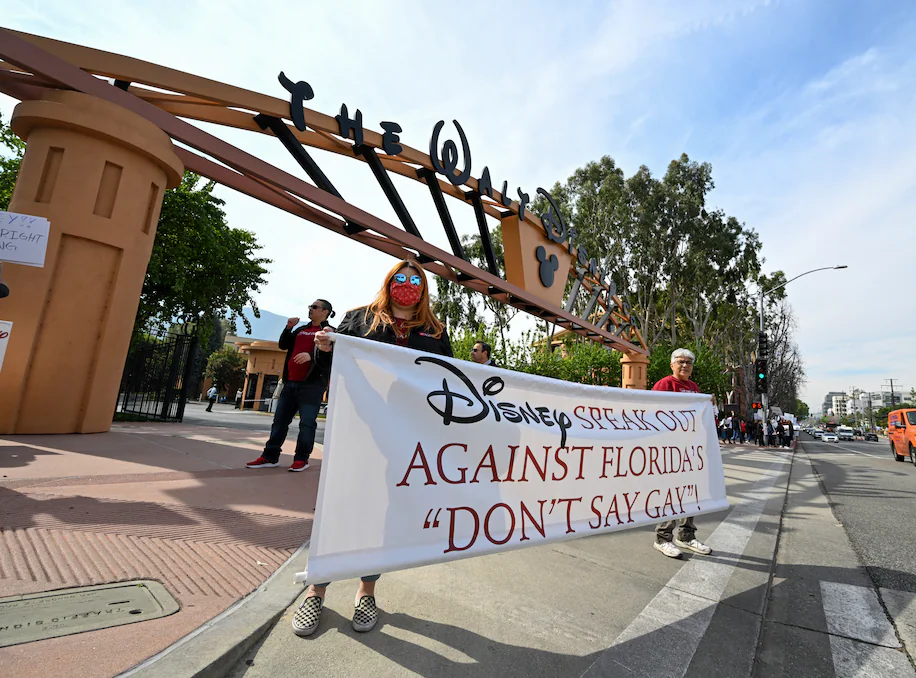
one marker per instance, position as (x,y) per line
(261,462)
(299,465)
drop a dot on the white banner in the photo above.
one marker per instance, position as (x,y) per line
(5,328)
(23,239)
(430,459)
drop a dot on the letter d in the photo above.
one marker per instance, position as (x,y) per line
(451,529)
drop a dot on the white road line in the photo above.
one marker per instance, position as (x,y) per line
(855,612)
(852,659)
(682,610)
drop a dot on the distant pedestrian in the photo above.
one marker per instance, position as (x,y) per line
(304,384)
(238,399)
(211,396)
(480,354)
(743,431)
(681,367)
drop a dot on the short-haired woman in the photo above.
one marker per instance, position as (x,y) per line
(400,314)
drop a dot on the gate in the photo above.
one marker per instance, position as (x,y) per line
(155,379)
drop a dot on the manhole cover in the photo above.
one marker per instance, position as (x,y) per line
(37,616)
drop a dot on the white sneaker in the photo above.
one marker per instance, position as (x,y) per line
(694,545)
(668,549)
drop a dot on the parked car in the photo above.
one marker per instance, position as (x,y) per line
(901,431)
(873,437)
(830,437)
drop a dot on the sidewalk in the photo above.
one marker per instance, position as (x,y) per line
(169,502)
(608,605)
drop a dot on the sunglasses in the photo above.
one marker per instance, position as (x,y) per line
(316,307)
(401,278)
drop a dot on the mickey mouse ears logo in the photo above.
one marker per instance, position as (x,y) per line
(549,266)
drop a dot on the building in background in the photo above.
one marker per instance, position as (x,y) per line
(827,407)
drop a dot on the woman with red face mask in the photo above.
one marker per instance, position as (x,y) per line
(400,314)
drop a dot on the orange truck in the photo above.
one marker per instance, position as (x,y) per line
(901,429)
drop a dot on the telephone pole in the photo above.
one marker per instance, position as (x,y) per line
(893,399)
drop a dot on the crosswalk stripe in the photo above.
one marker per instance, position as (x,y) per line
(855,612)
(853,659)
(685,605)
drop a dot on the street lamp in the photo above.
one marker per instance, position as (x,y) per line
(763,293)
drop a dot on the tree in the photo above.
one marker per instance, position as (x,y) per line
(460,308)
(226,367)
(9,166)
(200,268)
(801,409)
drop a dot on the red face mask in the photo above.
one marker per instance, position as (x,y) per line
(405,293)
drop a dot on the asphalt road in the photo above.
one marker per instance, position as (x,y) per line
(226,416)
(874,497)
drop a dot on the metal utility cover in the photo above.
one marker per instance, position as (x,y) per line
(37,616)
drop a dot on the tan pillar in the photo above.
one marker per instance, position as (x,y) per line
(97,172)
(635,369)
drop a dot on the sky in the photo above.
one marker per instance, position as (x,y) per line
(804,108)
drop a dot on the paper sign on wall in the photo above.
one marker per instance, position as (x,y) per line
(23,239)
(5,329)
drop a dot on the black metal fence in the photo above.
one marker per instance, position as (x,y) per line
(155,380)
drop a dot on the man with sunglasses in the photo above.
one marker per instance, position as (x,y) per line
(480,354)
(304,384)
(679,382)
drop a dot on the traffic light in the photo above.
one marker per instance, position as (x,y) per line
(762,346)
(760,375)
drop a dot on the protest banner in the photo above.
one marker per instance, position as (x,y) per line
(5,328)
(430,459)
(23,239)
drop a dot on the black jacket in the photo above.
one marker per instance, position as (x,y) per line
(287,343)
(356,324)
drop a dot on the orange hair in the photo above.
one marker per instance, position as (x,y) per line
(380,308)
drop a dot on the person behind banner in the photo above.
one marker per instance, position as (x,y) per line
(4,288)
(480,354)
(682,368)
(400,314)
(304,384)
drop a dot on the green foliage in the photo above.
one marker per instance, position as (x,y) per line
(801,409)
(200,267)
(9,166)
(226,367)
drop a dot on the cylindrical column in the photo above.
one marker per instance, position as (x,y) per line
(98,173)
(634,367)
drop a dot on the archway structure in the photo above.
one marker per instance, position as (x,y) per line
(540,252)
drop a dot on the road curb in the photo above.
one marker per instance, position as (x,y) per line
(211,650)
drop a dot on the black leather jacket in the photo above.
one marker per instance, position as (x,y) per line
(356,323)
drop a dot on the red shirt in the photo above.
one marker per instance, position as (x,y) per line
(671,383)
(305,343)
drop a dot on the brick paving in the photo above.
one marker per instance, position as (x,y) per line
(170,502)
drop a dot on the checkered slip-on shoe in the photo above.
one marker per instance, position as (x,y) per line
(306,619)
(365,615)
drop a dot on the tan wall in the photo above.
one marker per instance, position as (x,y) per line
(634,369)
(97,172)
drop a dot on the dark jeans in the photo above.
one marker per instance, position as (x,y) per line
(665,531)
(210,406)
(304,398)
